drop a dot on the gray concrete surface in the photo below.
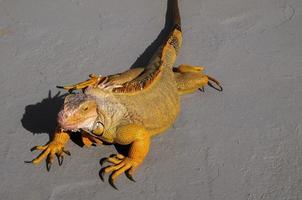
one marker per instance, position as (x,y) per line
(242,144)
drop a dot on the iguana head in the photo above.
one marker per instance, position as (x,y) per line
(78,112)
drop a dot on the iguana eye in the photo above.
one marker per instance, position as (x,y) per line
(85,108)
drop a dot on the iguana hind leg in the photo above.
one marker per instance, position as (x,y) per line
(95,80)
(126,76)
(191,78)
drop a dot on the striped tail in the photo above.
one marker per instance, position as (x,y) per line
(163,58)
(173,4)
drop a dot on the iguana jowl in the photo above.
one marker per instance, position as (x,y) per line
(128,108)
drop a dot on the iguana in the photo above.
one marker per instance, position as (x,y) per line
(128,108)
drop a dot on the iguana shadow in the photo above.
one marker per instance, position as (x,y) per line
(145,57)
(41,117)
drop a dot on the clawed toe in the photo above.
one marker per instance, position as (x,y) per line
(60,159)
(201,89)
(119,165)
(66,151)
(111,182)
(48,166)
(129,176)
(218,87)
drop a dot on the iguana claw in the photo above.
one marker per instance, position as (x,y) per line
(48,166)
(66,151)
(111,182)
(129,176)
(103,160)
(201,89)
(60,159)
(219,88)
(101,174)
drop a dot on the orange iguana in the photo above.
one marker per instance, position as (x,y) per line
(117,108)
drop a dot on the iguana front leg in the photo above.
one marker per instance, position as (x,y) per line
(139,138)
(54,147)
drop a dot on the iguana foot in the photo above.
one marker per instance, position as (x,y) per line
(192,78)
(120,164)
(89,140)
(52,149)
(49,151)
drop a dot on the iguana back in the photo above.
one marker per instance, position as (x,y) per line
(162,60)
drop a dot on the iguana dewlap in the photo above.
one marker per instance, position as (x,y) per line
(128,108)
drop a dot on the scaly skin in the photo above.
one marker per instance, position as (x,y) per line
(129,108)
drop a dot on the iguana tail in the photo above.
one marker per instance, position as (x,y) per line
(171,47)
(163,58)
(173,4)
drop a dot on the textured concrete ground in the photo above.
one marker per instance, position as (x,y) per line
(242,144)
